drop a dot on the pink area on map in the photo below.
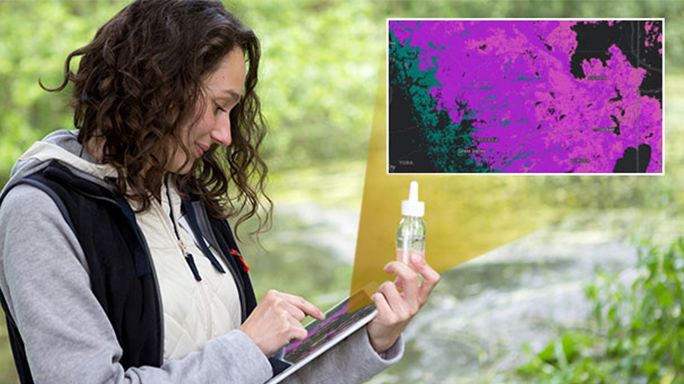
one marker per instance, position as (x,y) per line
(514,77)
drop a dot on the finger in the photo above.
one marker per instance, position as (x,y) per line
(304,306)
(399,283)
(408,279)
(299,335)
(430,277)
(383,307)
(297,331)
(294,311)
(394,300)
(283,302)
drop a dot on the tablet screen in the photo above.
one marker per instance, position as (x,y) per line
(324,334)
(321,332)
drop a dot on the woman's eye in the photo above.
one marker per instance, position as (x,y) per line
(218,108)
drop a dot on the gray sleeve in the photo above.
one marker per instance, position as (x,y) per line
(353,361)
(67,334)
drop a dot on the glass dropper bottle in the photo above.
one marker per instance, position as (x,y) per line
(411,230)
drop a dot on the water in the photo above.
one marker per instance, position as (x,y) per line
(483,312)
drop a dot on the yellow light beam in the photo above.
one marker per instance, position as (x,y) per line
(465,215)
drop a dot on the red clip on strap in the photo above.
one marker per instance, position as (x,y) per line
(236,253)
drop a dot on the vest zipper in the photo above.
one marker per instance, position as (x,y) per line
(189,258)
(191,262)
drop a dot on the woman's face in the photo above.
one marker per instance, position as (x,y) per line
(223,88)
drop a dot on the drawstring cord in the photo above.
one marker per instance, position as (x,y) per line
(188,256)
(192,220)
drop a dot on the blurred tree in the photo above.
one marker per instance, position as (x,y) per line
(318,77)
(319,71)
(318,80)
(36,37)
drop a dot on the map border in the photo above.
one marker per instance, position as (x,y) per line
(387,97)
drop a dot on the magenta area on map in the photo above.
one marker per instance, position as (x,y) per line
(525,96)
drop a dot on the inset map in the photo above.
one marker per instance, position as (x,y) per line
(525,96)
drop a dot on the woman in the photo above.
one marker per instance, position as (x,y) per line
(117,264)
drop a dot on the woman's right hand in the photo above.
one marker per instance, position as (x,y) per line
(276,321)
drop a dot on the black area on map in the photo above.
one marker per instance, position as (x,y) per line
(616,130)
(594,39)
(421,137)
(629,160)
(405,151)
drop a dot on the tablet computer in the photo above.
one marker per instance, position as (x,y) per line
(324,334)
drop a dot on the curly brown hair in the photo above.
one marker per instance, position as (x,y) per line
(139,81)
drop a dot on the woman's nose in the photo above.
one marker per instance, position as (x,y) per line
(221,132)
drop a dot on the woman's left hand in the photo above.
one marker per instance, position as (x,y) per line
(395,308)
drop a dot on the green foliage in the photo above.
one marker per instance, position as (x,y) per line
(318,78)
(639,334)
(317,90)
(319,72)
(318,82)
(36,37)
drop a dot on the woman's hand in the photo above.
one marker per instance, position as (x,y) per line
(396,309)
(276,321)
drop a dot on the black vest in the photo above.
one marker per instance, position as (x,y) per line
(121,273)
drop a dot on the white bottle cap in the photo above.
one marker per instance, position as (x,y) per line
(413,207)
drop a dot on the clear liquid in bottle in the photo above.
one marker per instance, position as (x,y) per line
(411,230)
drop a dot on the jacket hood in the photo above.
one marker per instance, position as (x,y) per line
(62,146)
